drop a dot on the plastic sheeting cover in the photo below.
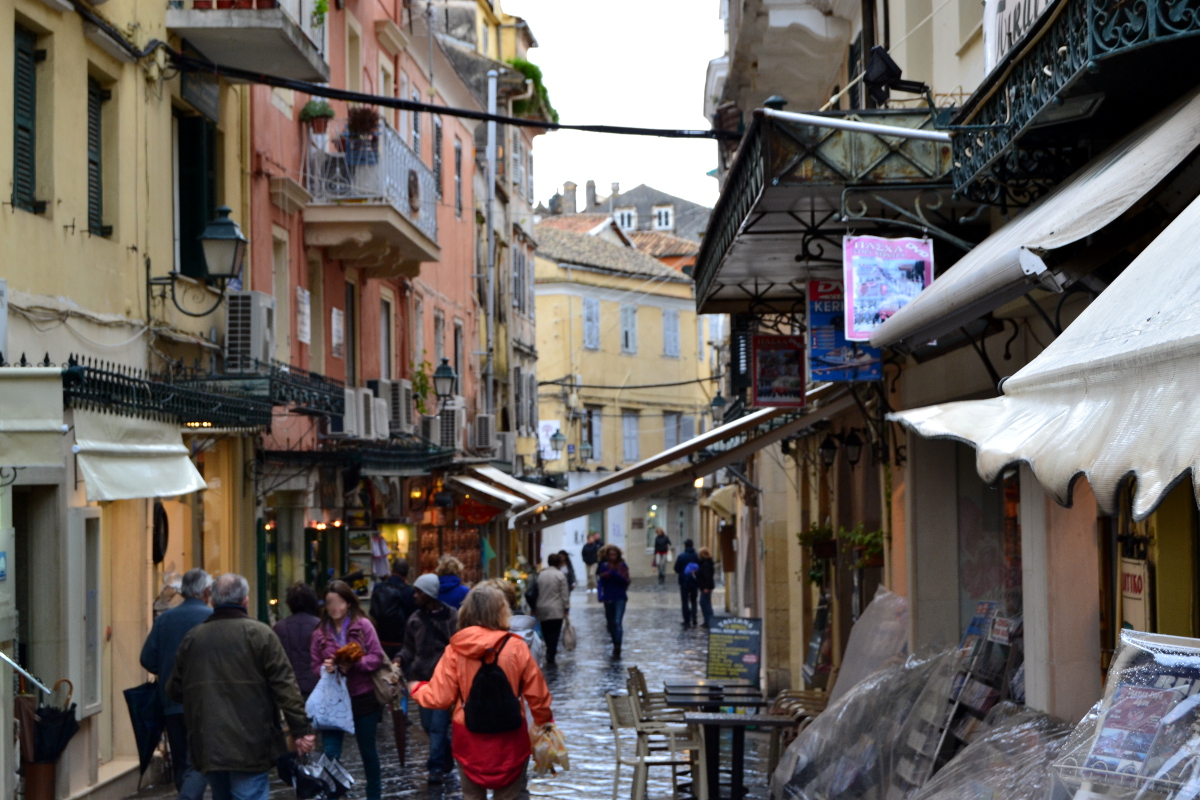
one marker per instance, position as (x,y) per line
(123,458)
(879,638)
(1114,394)
(31,417)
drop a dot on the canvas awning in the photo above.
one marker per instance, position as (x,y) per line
(723,501)
(533,492)
(122,458)
(486,493)
(1020,256)
(31,417)
(1114,395)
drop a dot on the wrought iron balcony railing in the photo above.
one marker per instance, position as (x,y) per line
(276,384)
(381,168)
(403,454)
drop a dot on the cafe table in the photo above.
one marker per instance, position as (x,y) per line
(679,683)
(712,722)
(740,691)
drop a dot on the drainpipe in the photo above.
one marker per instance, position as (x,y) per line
(489,367)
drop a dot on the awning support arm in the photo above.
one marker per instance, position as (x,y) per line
(41,686)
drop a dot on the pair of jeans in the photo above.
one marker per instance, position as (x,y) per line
(614,613)
(706,607)
(516,790)
(227,785)
(436,722)
(688,595)
(189,782)
(551,630)
(364,733)
(662,567)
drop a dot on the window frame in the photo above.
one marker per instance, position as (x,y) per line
(629,331)
(670,330)
(631,436)
(591,323)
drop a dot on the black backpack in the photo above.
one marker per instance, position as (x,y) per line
(492,707)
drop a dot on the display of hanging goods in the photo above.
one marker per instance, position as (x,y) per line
(146,715)
(329,704)
(54,726)
(549,749)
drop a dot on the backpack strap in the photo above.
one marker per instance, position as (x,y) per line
(496,651)
(437,632)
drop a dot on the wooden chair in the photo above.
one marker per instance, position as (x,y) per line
(802,705)
(623,718)
(654,704)
(685,744)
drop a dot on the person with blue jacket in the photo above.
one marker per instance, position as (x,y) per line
(452,591)
(158,657)
(612,580)
(686,566)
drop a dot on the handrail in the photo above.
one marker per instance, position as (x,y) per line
(23,671)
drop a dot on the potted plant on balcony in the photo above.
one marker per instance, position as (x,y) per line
(361,137)
(868,546)
(317,114)
(820,539)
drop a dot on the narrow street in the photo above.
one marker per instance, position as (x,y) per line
(654,640)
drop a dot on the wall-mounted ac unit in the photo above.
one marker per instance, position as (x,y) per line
(380,412)
(485,432)
(401,406)
(347,424)
(364,406)
(249,331)
(431,429)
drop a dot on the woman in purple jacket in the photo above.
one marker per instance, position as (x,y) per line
(612,579)
(343,621)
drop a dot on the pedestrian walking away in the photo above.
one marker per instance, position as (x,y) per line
(706,572)
(497,758)
(662,550)
(520,624)
(295,632)
(564,563)
(612,577)
(234,680)
(591,559)
(426,636)
(554,603)
(158,657)
(346,641)
(687,564)
(391,604)
(453,590)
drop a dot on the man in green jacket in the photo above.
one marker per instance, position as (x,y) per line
(234,678)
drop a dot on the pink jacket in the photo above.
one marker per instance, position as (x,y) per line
(325,644)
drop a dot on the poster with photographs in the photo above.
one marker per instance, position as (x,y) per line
(777,371)
(830,356)
(882,276)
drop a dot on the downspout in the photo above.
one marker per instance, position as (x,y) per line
(489,368)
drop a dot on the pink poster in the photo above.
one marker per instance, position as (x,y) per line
(882,276)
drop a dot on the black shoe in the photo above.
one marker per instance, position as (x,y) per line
(616,651)
(435,777)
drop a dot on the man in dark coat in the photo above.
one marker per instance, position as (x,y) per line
(158,658)
(234,679)
(689,587)
(425,638)
(391,605)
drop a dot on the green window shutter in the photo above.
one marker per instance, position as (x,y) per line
(197,191)
(96,226)
(25,121)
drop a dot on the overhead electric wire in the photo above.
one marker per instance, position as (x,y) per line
(564,383)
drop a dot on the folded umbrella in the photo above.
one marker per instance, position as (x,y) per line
(54,727)
(146,714)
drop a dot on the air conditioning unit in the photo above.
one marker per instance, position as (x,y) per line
(347,424)
(430,429)
(380,414)
(450,426)
(506,446)
(249,331)
(364,407)
(485,432)
(400,406)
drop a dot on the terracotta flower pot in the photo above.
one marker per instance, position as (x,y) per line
(224,3)
(202,5)
(319,124)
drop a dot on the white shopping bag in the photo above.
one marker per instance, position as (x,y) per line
(329,704)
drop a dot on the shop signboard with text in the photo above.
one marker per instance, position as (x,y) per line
(831,357)
(882,276)
(777,371)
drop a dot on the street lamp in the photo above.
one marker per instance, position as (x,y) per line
(585,450)
(444,381)
(558,441)
(828,450)
(718,407)
(854,446)
(224,247)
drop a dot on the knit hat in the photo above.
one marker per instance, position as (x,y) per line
(428,584)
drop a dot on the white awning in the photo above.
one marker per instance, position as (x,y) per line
(1115,394)
(486,493)
(534,492)
(1010,262)
(122,458)
(31,417)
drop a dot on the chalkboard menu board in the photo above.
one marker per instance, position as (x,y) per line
(734,648)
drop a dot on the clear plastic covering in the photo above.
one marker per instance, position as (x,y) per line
(879,638)
(1142,740)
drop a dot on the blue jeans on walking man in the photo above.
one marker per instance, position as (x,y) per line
(227,785)
(706,607)
(688,595)
(436,722)
(365,728)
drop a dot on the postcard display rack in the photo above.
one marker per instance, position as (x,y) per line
(987,668)
(460,541)
(1142,740)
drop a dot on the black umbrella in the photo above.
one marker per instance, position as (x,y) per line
(54,727)
(146,714)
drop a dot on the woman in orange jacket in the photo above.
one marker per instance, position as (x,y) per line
(495,761)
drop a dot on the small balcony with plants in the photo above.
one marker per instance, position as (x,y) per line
(374,202)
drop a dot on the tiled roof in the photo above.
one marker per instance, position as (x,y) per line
(591,251)
(659,244)
(580,223)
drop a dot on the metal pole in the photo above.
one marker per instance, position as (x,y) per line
(22,670)
(488,377)
(854,125)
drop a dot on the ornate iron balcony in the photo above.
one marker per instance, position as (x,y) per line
(276,384)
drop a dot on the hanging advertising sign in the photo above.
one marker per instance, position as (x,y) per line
(830,356)
(777,371)
(1135,587)
(882,276)
(1004,23)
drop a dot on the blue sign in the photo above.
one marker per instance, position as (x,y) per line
(831,356)
(3,565)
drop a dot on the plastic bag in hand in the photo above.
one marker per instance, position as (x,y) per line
(329,704)
(549,749)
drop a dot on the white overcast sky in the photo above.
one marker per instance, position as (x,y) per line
(625,62)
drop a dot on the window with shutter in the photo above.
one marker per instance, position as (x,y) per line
(96,98)
(197,191)
(700,338)
(670,429)
(518,398)
(670,320)
(530,284)
(518,276)
(529,175)
(591,323)
(25,121)
(458,178)
(532,395)
(437,155)
(629,435)
(687,428)
(629,329)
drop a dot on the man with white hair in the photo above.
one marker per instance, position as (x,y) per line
(233,678)
(158,657)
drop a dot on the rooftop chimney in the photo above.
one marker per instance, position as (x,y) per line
(590,194)
(612,198)
(568,198)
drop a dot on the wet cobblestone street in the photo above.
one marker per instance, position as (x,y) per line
(654,640)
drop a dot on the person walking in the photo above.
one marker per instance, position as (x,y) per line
(520,624)
(158,657)
(426,636)
(564,563)
(391,605)
(234,680)
(295,632)
(453,591)
(612,578)
(496,761)
(344,622)
(662,550)
(591,558)
(689,588)
(706,574)
(553,604)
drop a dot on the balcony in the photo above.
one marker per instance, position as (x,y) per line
(374,202)
(275,384)
(276,37)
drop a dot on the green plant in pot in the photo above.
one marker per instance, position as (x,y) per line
(317,114)
(868,545)
(361,138)
(821,539)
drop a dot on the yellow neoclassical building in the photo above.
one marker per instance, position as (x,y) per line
(624,366)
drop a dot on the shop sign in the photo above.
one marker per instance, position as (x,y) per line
(1004,23)
(830,356)
(777,372)
(882,276)
(1135,587)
